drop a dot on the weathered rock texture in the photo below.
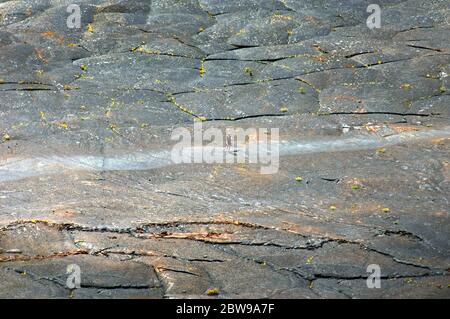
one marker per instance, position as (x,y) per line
(137,69)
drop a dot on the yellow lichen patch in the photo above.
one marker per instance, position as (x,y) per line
(405,86)
(63,125)
(42,116)
(201,29)
(408,104)
(309,260)
(83,67)
(201,118)
(140,49)
(72,45)
(90,28)
(113,102)
(301,90)
(202,68)
(332,207)
(178,105)
(113,127)
(442,89)
(283,109)
(248,71)
(276,17)
(385,210)
(68,87)
(381,150)
(355,183)
(6,137)
(241,31)
(311,85)
(298,178)
(212,292)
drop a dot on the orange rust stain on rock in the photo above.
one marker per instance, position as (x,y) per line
(311,230)
(40,54)
(48,34)
(55,255)
(399,128)
(440,141)
(191,235)
(64,213)
(320,58)
(53,35)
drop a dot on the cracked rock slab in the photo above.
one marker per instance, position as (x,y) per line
(86,122)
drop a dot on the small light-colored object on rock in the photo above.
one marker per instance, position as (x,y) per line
(14,251)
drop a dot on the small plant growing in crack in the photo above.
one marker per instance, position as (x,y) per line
(212,292)
(202,68)
(248,71)
(6,137)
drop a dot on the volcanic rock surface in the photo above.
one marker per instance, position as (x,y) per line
(86,117)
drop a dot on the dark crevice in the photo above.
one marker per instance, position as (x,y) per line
(359,53)
(424,48)
(28,89)
(178,271)
(118,287)
(246,117)
(400,276)
(375,112)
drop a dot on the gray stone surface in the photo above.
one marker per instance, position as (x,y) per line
(86,117)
